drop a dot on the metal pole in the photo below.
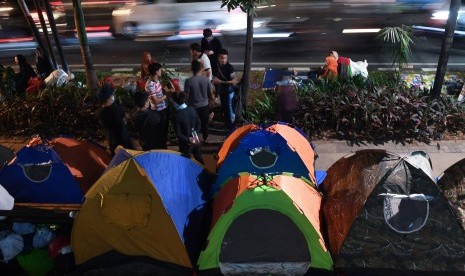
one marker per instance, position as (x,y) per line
(32,25)
(53,26)
(50,55)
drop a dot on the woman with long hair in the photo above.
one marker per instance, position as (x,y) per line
(25,73)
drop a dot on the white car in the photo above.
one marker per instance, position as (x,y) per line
(168,17)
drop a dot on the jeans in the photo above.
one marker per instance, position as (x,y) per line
(226,107)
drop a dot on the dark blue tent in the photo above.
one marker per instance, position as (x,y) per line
(261,152)
(38,175)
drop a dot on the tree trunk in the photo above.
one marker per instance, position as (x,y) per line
(53,26)
(48,55)
(91,75)
(247,60)
(445,48)
(32,25)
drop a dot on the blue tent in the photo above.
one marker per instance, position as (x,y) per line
(149,204)
(261,152)
(38,175)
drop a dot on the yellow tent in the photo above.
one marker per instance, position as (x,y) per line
(150,204)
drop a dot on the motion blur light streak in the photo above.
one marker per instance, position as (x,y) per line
(424,28)
(359,31)
(15,40)
(98,34)
(272,35)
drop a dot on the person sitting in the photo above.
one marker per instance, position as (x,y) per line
(343,67)
(43,67)
(25,73)
(186,125)
(330,69)
(224,80)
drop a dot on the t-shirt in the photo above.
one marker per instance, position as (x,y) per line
(206,63)
(147,123)
(224,73)
(155,90)
(198,88)
(112,118)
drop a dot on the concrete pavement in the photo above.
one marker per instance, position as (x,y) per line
(442,153)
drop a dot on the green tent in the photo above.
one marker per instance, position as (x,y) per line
(265,225)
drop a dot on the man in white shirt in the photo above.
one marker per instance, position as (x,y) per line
(197,54)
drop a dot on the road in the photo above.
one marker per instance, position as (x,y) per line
(316,29)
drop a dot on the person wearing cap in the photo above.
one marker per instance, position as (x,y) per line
(331,66)
(113,119)
(210,45)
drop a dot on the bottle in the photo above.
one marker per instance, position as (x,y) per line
(194,136)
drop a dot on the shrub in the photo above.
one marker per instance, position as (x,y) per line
(376,111)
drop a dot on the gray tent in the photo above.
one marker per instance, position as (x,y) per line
(385,214)
(452,181)
(6,155)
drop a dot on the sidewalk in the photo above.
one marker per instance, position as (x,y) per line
(442,153)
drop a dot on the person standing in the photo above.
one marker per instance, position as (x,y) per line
(186,125)
(144,66)
(224,80)
(113,119)
(146,122)
(199,94)
(25,73)
(158,95)
(210,45)
(197,54)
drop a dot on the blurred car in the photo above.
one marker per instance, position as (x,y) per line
(169,17)
(437,22)
(12,21)
(443,15)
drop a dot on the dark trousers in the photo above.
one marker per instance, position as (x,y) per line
(204,113)
(225,107)
(164,124)
(187,149)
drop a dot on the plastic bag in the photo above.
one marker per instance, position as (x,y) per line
(42,237)
(11,246)
(23,228)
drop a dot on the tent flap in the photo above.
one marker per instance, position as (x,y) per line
(126,210)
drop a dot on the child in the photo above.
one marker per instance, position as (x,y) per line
(186,122)
(112,117)
(147,123)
